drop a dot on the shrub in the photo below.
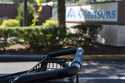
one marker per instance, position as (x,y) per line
(50,23)
(10,23)
(36,37)
(1,21)
(81,35)
(43,38)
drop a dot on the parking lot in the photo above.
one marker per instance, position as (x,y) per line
(91,72)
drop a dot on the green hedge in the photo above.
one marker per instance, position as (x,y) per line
(42,37)
(36,37)
(81,35)
(10,23)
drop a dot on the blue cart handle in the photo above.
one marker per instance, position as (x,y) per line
(78,58)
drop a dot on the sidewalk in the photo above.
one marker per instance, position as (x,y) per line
(13,67)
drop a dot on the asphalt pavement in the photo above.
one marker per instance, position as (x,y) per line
(103,72)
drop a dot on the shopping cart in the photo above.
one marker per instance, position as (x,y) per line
(56,67)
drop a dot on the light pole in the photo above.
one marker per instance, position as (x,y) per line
(25,13)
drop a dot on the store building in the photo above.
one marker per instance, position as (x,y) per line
(108,13)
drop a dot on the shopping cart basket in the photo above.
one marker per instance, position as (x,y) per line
(56,67)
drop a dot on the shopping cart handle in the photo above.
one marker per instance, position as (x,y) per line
(78,58)
(64,51)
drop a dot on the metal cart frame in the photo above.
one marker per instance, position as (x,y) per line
(54,67)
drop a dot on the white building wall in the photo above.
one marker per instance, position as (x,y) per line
(113,35)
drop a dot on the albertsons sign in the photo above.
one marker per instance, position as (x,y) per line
(107,12)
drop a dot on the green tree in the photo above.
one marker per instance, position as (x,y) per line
(30,11)
(37,12)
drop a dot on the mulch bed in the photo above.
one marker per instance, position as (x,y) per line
(96,50)
(91,53)
(25,49)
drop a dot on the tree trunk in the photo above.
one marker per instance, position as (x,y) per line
(25,13)
(61,13)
